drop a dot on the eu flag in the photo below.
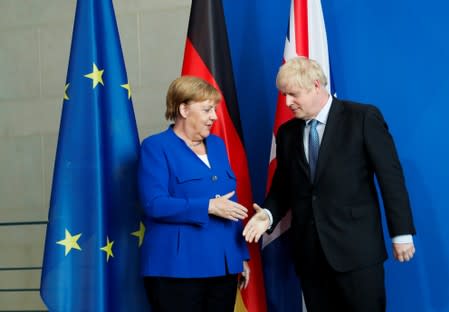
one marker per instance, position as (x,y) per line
(94,231)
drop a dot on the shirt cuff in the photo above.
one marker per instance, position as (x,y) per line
(270,216)
(403,239)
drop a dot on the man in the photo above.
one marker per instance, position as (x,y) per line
(327,158)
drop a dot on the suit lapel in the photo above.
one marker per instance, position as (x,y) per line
(329,136)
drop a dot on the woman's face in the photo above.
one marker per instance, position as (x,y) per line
(199,118)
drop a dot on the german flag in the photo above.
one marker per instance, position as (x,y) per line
(207,56)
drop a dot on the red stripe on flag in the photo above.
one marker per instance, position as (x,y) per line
(254,294)
(301,27)
(223,127)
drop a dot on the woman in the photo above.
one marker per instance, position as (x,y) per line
(193,249)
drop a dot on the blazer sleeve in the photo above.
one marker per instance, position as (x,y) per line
(277,198)
(158,204)
(387,167)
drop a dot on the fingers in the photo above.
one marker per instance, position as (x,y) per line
(225,208)
(406,256)
(242,282)
(251,238)
(257,208)
(249,231)
(229,195)
(244,276)
(246,283)
(246,228)
(242,209)
(247,277)
(234,211)
(403,252)
(253,231)
(231,218)
(240,213)
(258,236)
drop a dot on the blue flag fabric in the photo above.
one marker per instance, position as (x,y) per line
(91,260)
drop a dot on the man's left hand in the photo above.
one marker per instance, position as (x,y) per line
(403,252)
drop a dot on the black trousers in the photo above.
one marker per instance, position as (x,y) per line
(327,290)
(213,294)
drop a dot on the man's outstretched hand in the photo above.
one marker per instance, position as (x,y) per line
(257,225)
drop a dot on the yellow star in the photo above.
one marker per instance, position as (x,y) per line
(66,97)
(69,242)
(96,76)
(140,233)
(127,87)
(108,249)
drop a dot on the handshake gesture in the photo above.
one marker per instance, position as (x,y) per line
(226,208)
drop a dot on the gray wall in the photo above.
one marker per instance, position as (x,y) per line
(35,38)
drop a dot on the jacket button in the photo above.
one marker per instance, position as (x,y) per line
(214,178)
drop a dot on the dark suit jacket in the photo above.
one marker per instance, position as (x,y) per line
(343,202)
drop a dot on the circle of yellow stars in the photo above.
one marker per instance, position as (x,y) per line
(71,241)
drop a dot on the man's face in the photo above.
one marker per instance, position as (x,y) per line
(302,102)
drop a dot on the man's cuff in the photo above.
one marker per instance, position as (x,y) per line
(270,216)
(403,239)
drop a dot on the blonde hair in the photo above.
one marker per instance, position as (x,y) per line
(186,89)
(300,72)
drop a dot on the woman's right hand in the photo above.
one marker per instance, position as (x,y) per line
(225,208)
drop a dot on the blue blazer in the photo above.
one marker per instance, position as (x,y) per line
(181,239)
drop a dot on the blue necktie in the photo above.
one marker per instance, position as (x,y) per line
(314,147)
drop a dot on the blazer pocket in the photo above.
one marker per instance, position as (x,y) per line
(185,178)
